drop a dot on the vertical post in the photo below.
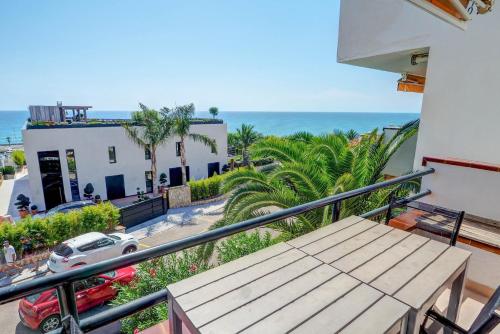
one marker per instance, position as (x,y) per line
(67,301)
(336,211)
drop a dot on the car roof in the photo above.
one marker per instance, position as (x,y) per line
(70,204)
(85,239)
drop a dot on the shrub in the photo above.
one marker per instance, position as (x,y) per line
(206,188)
(163,179)
(19,158)
(242,244)
(55,229)
(88,191)
(23,202)
(153,276)
(8,170)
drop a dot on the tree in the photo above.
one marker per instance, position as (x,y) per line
(308,171)
(245,137)
(149,129)
(180,118)
(8,140)
(19,158)
(214,111)
(23,202)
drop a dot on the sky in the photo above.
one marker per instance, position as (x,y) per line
(245,55)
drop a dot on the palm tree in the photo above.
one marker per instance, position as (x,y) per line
(310,170)
(180,118)
(214,111)
(149,129)
(245,137)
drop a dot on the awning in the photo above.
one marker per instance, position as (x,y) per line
(411,83)
(456,12)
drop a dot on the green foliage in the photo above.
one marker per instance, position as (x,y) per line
(54,229)
(242,244)
(163,179)
(244,137)
(8,170)
(88,190)
(23,202)
(19,158)
(214,111)
(310,168)
(205,188)
(153,276)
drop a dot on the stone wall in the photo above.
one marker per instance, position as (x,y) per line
(179,196)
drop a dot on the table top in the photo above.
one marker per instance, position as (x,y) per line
(282,289)
(409,267)
(352,276)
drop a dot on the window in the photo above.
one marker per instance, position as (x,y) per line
(73,176)
(178,149)
(112,154)
(147,153)
(88,247)
(104,242)
(149,181)
(213,150)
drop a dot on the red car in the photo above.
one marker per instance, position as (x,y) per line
(41,310)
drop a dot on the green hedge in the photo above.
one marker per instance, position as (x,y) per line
(8,170)
(62,226)
(206,188)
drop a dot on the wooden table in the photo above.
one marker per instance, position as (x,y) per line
(277,290)
(413,269)
(353,276)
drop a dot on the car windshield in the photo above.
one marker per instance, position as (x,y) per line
(63,250)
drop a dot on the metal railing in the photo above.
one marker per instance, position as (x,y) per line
(63,282)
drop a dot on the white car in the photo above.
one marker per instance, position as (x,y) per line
(90,248)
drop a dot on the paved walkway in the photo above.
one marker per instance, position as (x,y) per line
(9,190)
(194,219)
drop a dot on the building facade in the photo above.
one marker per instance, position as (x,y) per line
(459,131)
(63,159)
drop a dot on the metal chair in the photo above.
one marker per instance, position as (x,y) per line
(485,322)
(434,219)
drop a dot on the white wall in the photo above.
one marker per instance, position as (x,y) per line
(91,153)
(460,115)
(402,161)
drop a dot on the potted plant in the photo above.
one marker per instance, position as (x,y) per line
(88,191)
(22,205)
(34,209)
(163,182)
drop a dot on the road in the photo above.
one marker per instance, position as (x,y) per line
(199,221)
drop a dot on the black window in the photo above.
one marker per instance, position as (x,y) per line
(92,282)
(73,176)
(147,153)
(213,150)
(87,247)
(178,149)
(63,250)
(112,154)
(104,242)
(149,181)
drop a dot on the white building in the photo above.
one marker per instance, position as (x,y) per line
(62,159)
(459,132)
(457,68)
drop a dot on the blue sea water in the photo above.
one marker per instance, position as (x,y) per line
(268,123)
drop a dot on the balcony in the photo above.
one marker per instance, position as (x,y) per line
(63,282)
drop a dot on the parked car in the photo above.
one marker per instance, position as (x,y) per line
(90,248)
(66,207)
(41,310)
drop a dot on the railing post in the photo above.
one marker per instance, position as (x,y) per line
(67,301)
(336,211)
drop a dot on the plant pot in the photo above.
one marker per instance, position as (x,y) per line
(34,212)
(23,213)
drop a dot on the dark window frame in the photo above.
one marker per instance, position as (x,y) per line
(178,149)
(148,176)
(147,153)
(112,154)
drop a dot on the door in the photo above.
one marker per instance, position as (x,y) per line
(106,249)
(99,290)
(213,168)
(176,176)
(52,182)
(149,181)
(115,186)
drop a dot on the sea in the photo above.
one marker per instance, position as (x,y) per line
(267,123)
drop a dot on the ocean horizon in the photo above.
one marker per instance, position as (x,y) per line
(278,123)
